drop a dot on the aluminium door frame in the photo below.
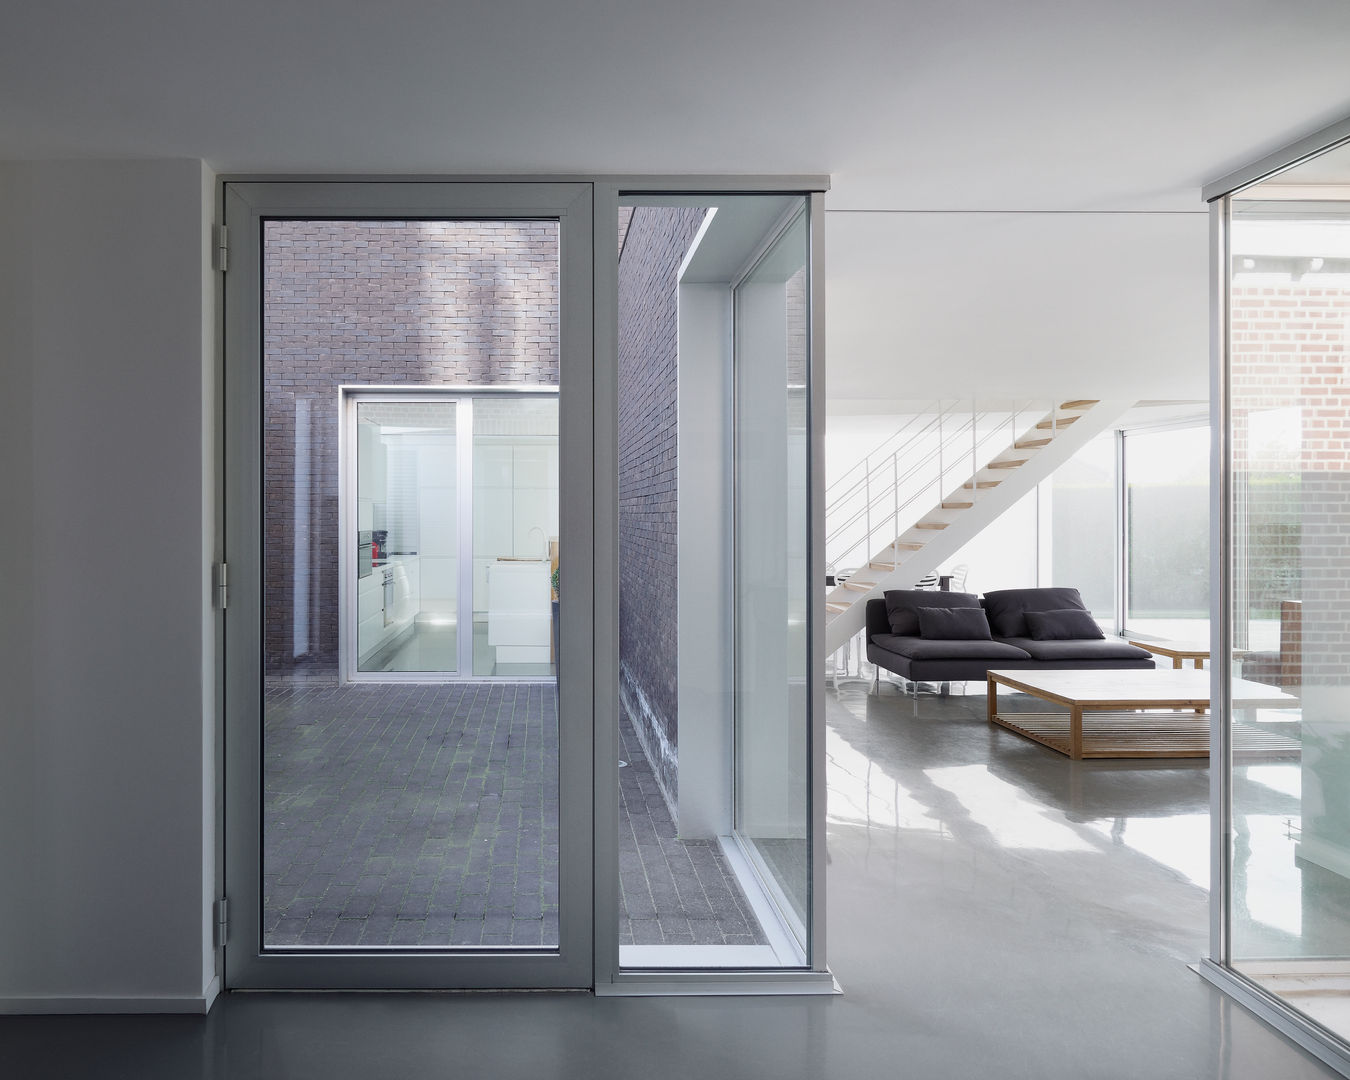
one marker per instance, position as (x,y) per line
(246,204)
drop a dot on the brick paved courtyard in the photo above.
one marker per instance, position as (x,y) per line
(425,815)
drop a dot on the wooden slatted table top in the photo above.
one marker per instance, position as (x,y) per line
(1138,688)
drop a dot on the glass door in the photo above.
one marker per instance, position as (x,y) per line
(409,790)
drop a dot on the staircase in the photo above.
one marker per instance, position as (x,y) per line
(935,484)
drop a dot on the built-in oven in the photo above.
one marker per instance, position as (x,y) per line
(365,553)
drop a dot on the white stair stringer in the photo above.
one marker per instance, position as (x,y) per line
(919,551)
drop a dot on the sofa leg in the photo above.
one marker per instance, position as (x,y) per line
(876,679)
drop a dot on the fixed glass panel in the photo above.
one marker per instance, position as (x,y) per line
(1083,526)
(402,807)
(772,794)
(713,789)
(1167,534)
(1289,862)
(407,525)
(515,535)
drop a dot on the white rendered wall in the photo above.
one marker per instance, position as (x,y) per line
(705,650)
(107,766)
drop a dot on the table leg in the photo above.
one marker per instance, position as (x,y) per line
(990,698)
(1176,663)
(1199,663)
(1076,732)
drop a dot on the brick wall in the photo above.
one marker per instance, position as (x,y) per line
(654,244)
(1289,352)
(377,303)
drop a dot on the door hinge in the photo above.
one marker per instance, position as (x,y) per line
(220,248)
(222,919)
(222,585)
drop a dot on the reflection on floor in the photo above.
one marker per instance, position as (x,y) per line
(432,646)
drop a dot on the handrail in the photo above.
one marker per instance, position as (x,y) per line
(870,502)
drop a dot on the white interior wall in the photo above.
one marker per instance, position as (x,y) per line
(108,769)
(926,305)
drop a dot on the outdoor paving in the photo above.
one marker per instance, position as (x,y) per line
(672,892)
(426,815)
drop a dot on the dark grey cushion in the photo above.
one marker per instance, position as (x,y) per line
(902,606)
(1066,624)
(953,624)
(917,648)
(1107,649)
(1007,607)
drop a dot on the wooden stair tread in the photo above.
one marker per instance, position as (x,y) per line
(1031,444)
(881,565)
(982,484)
(1063,421)
(859,586)
(1081,403)
(957,505)
(907,545)
(1006,464)
(930,525)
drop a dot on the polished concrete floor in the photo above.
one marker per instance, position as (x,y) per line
(988,917)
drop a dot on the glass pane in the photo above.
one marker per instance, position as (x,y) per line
(1290,615)
(515,535)
(1167,525)
(1083,526)
(772,526)
(404,807)
(713,824)
(407,524)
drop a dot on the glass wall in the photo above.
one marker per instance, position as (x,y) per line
(1287,850)
(1083,549)
(1166,477)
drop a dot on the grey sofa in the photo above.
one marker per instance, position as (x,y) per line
(1026,628)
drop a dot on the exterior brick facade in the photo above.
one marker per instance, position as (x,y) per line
(654,244)
(376,303)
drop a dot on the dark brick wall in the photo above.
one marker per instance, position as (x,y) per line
(654,244)
(378,303)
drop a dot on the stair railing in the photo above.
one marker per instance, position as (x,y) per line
(905,477)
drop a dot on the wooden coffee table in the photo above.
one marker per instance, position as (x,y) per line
(1134,713)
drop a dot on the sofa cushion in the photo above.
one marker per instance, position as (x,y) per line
(902,606)
(918,648)
(1063,625)
(1078,649)
(954,624)
(1007,607)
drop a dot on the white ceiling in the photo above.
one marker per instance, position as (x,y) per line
(973,104)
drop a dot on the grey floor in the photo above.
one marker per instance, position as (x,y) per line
(993,910)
